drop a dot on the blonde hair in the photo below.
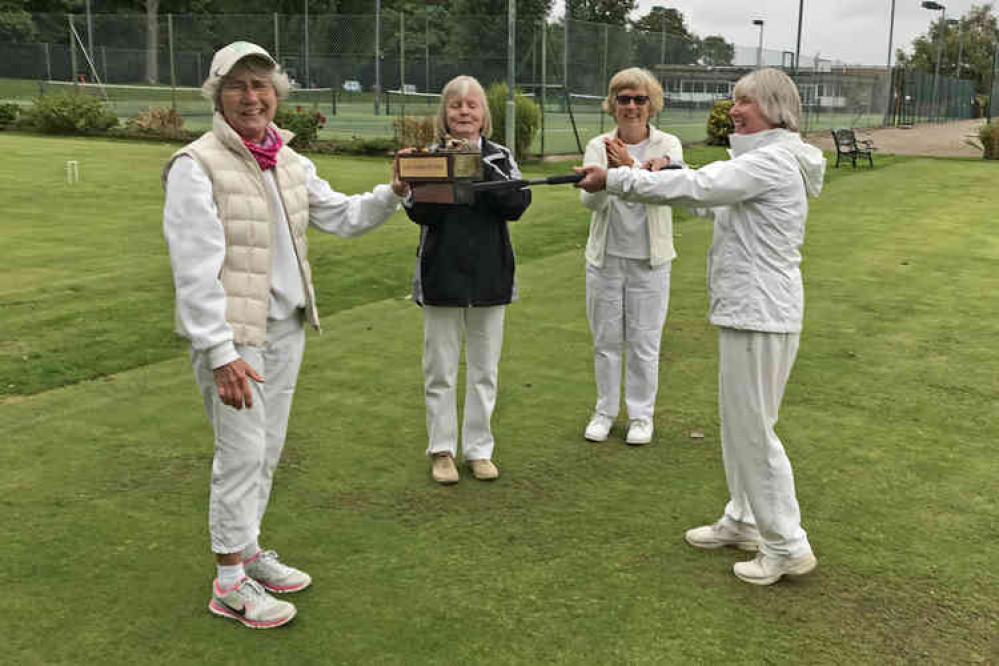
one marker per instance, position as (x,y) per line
(461,87)
(635,78)
(776,95)
(211,89)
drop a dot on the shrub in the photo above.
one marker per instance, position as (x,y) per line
(305,123)
(157,122)
(720,123)
(415,131)
(69,113)
(9,112)
(987,140)
(528,118)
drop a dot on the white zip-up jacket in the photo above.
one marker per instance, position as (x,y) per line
(659,217)
(759,203)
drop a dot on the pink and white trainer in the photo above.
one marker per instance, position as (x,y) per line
(249,604)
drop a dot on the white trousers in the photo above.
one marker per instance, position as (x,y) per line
(626,303)
(248,442)
(442,333)
(752,373)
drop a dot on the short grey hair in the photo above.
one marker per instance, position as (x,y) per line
(635,78)
(211,89)
(461,87)
(775,93)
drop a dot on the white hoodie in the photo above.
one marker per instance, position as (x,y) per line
(759,203)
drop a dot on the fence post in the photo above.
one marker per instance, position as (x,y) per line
(48,62)
(603,78)
(544,79)
(426,51)
(104,63)
(565,57)
(402,63)
(72,50)
(173,73)
(277,41)
(378,64)
(308,76)
(992,84)
(511,75)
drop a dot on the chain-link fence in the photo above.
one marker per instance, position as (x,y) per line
(352,61)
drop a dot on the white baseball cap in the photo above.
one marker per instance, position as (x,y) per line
(227,57)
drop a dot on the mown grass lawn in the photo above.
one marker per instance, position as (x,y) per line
(575,555)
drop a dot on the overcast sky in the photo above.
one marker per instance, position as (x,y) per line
(853,31)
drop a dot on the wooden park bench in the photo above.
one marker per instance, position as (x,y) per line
(849,145)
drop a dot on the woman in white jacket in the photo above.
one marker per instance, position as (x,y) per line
(628,257)
(759,203)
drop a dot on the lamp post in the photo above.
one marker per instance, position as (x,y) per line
(759,49)
(936,6)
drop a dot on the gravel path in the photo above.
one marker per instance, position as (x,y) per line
(935,140)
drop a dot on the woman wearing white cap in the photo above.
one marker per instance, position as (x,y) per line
(238,203)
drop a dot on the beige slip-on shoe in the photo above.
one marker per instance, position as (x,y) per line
(443,469)
(483,469)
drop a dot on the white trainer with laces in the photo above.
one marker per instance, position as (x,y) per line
(639,432)
(599,427)
(768,569)
(249,604)
(267,569)
(724,533)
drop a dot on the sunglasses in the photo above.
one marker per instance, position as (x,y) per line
(625,100)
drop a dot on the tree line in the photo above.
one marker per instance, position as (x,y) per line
(968,43)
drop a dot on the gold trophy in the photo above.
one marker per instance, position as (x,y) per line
(442,174)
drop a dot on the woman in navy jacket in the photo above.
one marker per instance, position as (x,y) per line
(464,279)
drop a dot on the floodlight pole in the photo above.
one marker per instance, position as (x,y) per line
(759,49)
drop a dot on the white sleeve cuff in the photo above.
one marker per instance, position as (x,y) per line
(616,179)
(222,354)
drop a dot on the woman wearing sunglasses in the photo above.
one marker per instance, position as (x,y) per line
(628,257)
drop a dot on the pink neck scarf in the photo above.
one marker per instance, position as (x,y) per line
(265,153)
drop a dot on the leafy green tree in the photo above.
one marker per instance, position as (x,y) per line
(662,19)
(679,46)
(715,51)
(16,25)
(974,38)
(613,12)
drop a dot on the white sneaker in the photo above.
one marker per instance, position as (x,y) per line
(266,569)
(248,603)
(639,432)
(598,428)
(768,569)
(724,533)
